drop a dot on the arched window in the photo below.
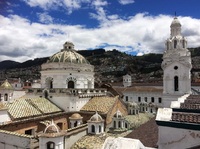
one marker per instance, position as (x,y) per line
(50,145)
(71,84)
(99,128)
(6,97)
(126,125)
(114,124)
(93,128)
(175,44)
(119,124)
(183,43)
(176,87)
(75,124)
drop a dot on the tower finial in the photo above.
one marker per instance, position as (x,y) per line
(175,14)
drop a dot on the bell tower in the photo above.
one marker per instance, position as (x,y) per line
(176,65)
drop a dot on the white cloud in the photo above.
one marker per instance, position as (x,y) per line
(69,5)
(21,40)
(45,4)
(45,18)
(98,3)
(125,2)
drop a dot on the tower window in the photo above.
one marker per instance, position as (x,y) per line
(175,44)
(71,84)
(176,83)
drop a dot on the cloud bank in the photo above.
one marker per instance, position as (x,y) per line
(21,39)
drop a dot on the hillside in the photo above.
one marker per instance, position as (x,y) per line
(109,66)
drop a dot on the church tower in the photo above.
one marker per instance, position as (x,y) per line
(176,65)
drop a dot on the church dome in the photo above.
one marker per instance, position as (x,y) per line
(118,114)
(52,128)
(96,118)
(76,116)
(68,55)
(175,22)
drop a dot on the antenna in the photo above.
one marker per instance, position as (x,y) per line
(175,14)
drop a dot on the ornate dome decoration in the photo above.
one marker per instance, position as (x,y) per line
(52,128)
(96,118)
(7,85)
(68,55)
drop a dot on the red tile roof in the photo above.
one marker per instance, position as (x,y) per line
(146,133)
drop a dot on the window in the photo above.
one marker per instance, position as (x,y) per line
(6,97)
(93,128)
(145,99)
(152,99)
(29,132)
(175,67)
(183,42)
(160,100)
(50,145)
(175,44)
(139,99)
(176,83)
(126,98)
(114,124)
(70,84)
(99,128)
(119,124)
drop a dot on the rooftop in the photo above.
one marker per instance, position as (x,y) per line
(146,133)
(28,107)
(100,104)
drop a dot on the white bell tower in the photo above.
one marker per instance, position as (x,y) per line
(176,66)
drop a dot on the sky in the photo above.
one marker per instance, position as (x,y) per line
(32,29)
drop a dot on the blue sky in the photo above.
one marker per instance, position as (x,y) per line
(38,28)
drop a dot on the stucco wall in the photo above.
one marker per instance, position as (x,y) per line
(70,140)
(174,138)
(9,141)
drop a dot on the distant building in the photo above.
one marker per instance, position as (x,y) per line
(127,81)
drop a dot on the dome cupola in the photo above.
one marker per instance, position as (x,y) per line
(175,27)
(68,55)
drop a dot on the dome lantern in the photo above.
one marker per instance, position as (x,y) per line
(68,46)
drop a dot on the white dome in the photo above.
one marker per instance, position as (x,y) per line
(96,118)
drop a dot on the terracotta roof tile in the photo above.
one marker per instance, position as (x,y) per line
(27,107)
(100,104)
